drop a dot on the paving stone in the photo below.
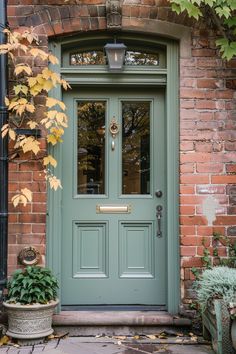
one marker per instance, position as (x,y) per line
(103,348)
(54,351)
(190,349)
(26,350)
(38,348)
(78,345)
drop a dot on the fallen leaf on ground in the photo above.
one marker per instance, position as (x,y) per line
(151,336)
(136,337)
(4,340)
(194,338)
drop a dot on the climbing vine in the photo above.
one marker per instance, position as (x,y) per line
(221,12)
(215,259)
(30,107)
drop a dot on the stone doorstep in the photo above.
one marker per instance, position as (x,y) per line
(87,323)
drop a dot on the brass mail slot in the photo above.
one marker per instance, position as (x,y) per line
(113,209)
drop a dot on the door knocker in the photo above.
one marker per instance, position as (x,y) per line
(114,130)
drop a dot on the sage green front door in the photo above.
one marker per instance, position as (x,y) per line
(114,232)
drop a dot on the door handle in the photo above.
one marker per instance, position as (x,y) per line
(159,215)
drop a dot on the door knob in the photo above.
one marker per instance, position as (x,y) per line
(158,194)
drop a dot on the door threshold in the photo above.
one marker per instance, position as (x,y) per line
(118,318)
(113,308)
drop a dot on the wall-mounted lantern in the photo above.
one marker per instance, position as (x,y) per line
(115,53)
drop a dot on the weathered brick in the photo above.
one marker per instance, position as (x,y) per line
(194,179)
(209,167)
(187,251)
(223,179)
(230,168)
(209,189)
(193,220)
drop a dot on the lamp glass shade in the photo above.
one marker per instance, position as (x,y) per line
(115,53)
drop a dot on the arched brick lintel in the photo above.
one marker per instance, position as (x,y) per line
(53,22)
(162,29)
(144,26)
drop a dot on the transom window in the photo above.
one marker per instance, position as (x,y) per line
(97,57)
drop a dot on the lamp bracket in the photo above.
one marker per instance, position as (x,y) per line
(113,14)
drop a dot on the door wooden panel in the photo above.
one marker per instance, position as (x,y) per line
(89,250)
(111,252)
(136,250)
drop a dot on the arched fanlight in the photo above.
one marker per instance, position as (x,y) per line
(115,53)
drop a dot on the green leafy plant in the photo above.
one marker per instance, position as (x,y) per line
(216,283)
(222,14)
(32,285)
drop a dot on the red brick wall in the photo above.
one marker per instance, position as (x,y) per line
(207,150)
(207,127)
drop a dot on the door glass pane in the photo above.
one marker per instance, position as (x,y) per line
(136,147)
(91,147)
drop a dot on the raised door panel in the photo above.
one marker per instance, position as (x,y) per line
(89,250)
(136,251)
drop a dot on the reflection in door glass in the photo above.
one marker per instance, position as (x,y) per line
(136,147)
(91,147)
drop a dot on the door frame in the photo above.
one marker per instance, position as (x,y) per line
(168,77)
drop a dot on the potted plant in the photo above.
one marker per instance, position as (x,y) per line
(31,300)
(215,291)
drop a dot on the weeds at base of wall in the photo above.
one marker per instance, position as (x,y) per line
(212,259)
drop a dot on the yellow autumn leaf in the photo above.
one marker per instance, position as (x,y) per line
(52,114)
(12,134)
(20,88)
(20,109)
(40,79)
(5,126)
(50,102)
(55,78)
(49,160)
(32,81)
(48,85)
(30,108)
(151,336)
(35,52)
(46,73)
(22,101)
(54,182)
(62,119)
(12,105)
(30,144)
(65,84)
(48,124)
(53,59)
(15,200)
(51,139)
(23,200)
(4,130)
(22,67)
(7,102)
(4,340)
(36,89)
(27,193)
(30,36)
(32,124)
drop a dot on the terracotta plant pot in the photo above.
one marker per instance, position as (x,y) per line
(30,323)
